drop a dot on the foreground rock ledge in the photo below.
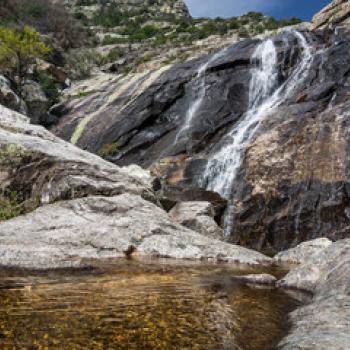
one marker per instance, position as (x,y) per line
(324,324)
(61,234)
(82,207)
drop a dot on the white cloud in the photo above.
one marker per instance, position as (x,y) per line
(229,8)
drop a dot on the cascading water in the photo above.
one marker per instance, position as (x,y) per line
(223,166)
(198,101)
(264,96)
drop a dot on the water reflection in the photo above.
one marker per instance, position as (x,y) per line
(137,305)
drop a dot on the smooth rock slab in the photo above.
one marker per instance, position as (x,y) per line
(63,234)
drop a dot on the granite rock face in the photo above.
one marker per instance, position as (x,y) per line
(66,205)
(176,7)
(41,168)
(294,177)
(292,185)
(65,233)
(324,323)
(137,119)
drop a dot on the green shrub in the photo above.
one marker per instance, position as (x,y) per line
(10,205)
(46,17)
(109,40)
(79,64)
(82,94)
(146,57)
(36,10)
(109,16)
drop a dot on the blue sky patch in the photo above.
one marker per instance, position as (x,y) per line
(303,9)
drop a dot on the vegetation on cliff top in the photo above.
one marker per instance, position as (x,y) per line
(97,23)
(46,17)
(141,23)
(89,34)
(18,49)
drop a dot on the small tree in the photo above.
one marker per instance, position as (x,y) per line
(18,49)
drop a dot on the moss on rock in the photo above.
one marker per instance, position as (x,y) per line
(10,205)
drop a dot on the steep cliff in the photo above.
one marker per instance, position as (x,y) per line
(291,182)
(88,37)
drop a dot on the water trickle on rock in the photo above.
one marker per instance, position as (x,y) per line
(265,94)
(201,87)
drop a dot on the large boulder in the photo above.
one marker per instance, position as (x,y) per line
(40,168)
(173,194)
(198,216)
(66,233)
(292,184)
(78,206)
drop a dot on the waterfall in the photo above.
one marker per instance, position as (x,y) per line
(265,95)
(198,101)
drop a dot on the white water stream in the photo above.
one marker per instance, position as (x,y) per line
(264,96)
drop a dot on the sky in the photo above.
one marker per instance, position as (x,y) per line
(303,9)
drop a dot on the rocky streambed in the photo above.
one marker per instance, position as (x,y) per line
(149,304)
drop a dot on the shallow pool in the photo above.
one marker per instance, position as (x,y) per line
(129,304)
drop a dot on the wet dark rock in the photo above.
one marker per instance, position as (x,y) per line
(59,110)
(292,185)
(149,112)
(115,67)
